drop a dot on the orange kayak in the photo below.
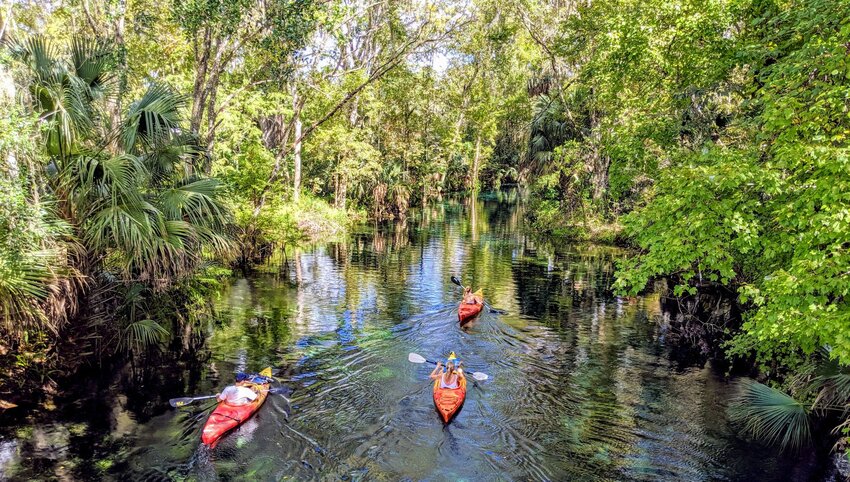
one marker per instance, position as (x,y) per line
(226,417)
(468,311)
(449,400)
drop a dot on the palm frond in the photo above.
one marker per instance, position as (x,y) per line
(41,56)
(197,202)
(153,119)
(141,335)
(24,286)
(832,381)
(124,227)
(771,415)
(163,161)
(90,59)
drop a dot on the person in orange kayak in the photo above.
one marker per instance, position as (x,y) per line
(451,377)
(469,297)
(238,395)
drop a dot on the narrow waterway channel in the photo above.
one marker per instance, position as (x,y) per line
(582,386)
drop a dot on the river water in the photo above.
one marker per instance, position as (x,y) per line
(582,384)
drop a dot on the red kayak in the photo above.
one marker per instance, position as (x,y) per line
(226,417)
(467,311)
(449,400)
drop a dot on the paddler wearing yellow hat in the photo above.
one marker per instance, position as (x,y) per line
(450,378)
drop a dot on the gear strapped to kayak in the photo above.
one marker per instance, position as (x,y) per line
(227,416)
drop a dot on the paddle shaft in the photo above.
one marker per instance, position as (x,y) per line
(182,402)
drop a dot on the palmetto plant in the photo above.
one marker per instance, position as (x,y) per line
(820,392)
(128,190)
(31,258)
(548,130)
(771,415)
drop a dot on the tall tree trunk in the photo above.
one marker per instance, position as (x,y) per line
(600,164)
(569,195)
(296,148)
(340,188)
(7,96)
(209,96)
(202,56)
(6,22)
(476,163)
(601,167)
(211,123)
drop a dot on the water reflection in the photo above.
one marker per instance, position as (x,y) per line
(582,386)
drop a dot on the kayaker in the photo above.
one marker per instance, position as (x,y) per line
(450,378)
(238,395)
(469,297)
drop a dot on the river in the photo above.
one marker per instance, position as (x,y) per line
(582,384)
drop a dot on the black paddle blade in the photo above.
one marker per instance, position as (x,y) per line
(456,281)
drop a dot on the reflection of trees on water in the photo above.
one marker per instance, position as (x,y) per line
(577,278)
(696,326)
(599,398)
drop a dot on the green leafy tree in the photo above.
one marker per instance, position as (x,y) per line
(138,214)
(763,213)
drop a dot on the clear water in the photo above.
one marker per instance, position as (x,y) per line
(582,386)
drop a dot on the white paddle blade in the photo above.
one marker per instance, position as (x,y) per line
(415,358)
(479,376)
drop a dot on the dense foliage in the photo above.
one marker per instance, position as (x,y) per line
(142,140)
(101,214)
(763,207)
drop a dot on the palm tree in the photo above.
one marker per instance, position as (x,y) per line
(128,190)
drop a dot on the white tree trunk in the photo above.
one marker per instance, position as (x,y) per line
(476,162)
(296,148)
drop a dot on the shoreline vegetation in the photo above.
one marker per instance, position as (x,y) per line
(150,149)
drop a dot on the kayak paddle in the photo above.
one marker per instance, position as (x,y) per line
(182,402)
(488,305)
(416,358)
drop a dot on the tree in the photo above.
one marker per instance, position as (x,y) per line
(762,201)
(139,217)
(263,35)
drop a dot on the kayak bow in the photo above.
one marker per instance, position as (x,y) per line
(226,417)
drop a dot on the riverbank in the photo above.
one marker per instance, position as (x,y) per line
(548,218)
(44,362)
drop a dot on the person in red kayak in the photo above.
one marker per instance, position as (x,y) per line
(469,297)
(451,377)
(239,394)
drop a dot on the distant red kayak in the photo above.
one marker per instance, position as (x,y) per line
(227,417)
(468,311)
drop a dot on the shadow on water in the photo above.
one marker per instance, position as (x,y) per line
(582,384)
